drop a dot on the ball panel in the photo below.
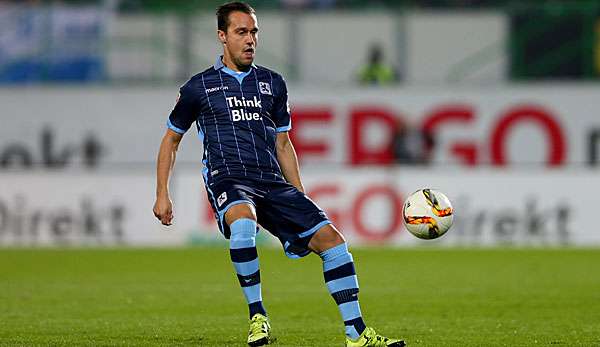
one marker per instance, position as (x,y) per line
(444,223)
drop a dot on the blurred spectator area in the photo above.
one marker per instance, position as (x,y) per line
(425,42)
(52,42)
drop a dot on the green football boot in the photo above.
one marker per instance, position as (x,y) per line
(369,338)
(260,331)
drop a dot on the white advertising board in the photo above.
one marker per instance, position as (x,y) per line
(539,126)
(80,209)
(492,207)
(507,126)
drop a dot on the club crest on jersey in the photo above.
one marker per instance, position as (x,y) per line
(265,88)
(221,199)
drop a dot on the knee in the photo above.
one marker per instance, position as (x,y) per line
(336,238)
(240,211)
(326,238)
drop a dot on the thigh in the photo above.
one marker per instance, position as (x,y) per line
(292,217)
(227,194)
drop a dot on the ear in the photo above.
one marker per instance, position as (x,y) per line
(222,36)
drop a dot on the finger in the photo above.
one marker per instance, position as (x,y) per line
(166,220)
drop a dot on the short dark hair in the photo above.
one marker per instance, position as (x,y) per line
(225,10)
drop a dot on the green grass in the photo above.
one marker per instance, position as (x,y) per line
(188,297)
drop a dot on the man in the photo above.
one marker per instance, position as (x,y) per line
(251,174)
(376,71)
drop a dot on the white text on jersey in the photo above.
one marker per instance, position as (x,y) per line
(238,115)
(210,90)
(235,102)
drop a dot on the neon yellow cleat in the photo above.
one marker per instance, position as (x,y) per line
(260,331)
(369,338)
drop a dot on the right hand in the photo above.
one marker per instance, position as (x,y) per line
(163,210)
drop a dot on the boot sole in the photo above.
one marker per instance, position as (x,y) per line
(259,342)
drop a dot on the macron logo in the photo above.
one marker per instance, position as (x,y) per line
(210,90)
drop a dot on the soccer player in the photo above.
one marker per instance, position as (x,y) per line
(251,174)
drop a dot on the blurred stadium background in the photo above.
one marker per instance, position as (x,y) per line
(471,97)
(494,102)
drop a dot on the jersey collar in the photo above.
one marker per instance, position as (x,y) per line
(219,63)
(238,75)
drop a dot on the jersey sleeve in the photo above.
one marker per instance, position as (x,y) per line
(185,112)
(282,118)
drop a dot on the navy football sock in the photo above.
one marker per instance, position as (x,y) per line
(242,249)
(342,283)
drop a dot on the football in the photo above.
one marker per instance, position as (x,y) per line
(427,214)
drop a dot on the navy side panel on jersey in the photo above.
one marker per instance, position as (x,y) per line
(237,116)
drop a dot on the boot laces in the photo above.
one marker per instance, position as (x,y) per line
(258,325)
(376,340)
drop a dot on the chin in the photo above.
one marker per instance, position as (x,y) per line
(245,63)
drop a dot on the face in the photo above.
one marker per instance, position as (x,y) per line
(240,40)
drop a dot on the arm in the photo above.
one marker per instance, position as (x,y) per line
(163,207)
(286,156)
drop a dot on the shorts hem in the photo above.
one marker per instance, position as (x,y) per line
(314,229)
(302,235)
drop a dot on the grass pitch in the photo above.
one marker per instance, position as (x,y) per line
(190,297)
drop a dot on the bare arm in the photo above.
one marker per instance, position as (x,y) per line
(286,156)
(163,207)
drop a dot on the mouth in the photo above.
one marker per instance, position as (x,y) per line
(249,51)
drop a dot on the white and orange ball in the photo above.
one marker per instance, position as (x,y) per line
(427,214)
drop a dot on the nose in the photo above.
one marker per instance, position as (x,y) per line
(250,39)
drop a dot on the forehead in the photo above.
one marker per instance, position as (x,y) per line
(242,20)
